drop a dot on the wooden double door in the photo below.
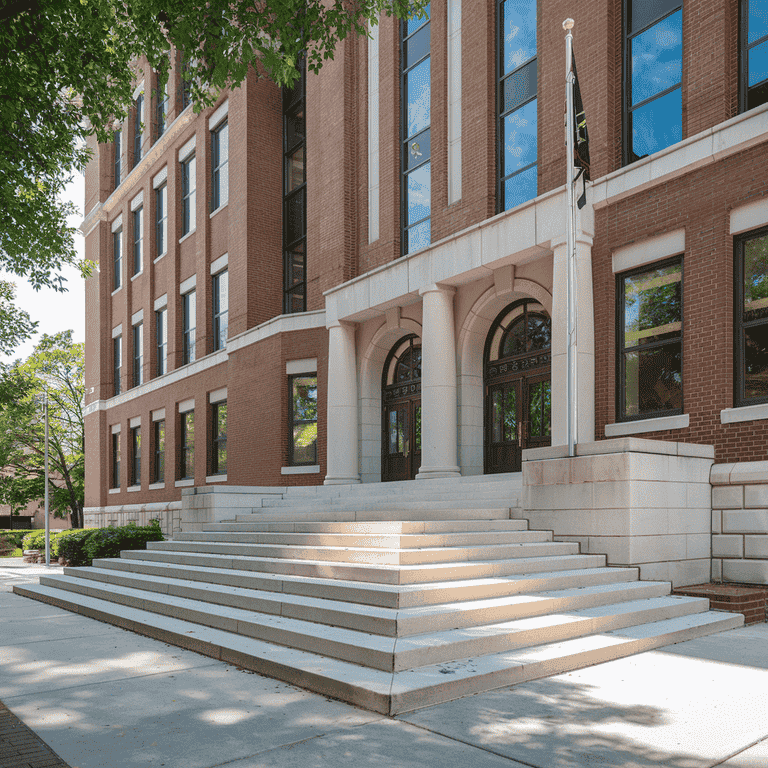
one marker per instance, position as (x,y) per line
(401,457)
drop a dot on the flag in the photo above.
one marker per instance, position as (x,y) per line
(580,136)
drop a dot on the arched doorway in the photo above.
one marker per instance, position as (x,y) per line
(518,391)
(401,411)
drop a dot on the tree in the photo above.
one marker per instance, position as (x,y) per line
(67,71)
(15,324)
(56,365)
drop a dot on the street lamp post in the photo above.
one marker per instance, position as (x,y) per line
(47,519)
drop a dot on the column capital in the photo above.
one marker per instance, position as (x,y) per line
(437,288)
(582,238)
(340,324)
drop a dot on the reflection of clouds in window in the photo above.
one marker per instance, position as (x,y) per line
(657,125)
(419,194)
(520,137)
(758,20)
(657,60)
(418,98)
(519,32)
(758,63)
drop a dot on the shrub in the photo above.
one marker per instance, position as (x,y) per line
(15,536)
(34,540)
(82,547)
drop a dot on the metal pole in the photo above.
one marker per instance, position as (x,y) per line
(570,361)
(47,519)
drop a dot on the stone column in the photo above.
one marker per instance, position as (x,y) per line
(439,411)
(585,343)
(342,435)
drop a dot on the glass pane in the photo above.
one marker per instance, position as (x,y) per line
(294,170)
(538,333)
(221,420)
(189,443)
(652,305)
(657,125)
(497,414)
(510,415)
(657,58)
(520,131)
(304,398)
(295,302)
(295,129)
(416,47)
(546,409)
(417,427)
(519,32)
(418,194)
(756,278)
(417,92)
(519,87)
(756,362)
(416,362)
(221,457)
(645,11)
(520,188)
(653,380)
(535,397)
(417,237)
(758,20)
(404,370)
(514,342)
(758,63)
(757,95)
(417,149)
(413,24)
(294,216)
(296,265)
(393,432)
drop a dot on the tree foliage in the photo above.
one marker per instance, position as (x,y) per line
(56,365)
(15,324)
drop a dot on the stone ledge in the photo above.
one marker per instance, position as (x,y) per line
(748,600)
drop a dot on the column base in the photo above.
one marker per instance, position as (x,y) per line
(341,480)
(427,473)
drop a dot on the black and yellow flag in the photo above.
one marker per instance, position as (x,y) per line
(580,135)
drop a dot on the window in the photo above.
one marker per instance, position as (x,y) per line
(135,456)
(118,156)
(220,309)
(303,438)
(138,237)
(161,326)
(188,328)
(117,361)
(161,220)
(158,469)
(117,259)
(115,479)
(650,341)
(138,354)
(220,166)
(161,105)
(753,61)
(653,73)
(416,165)
(187,458)
(517,127)
(751,354)
(188,195)
(219,433)
(294,197)
(186,85)
(138,112)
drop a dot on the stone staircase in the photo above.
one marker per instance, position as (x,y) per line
(391,610)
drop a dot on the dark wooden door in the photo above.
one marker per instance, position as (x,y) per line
(401,443)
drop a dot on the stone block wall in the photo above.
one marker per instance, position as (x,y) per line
(168,513)
(740,522)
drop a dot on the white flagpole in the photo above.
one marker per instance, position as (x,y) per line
(570,238)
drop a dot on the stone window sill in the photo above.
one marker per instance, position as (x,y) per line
(114,490)
(156,486)
(216,479)
(660,424)
(133,488)
(185,483)
(306,470)
(744,413)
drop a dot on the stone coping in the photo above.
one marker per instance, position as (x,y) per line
(154,506)
(744,473)
(622,445)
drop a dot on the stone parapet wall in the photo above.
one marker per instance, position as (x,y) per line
(169,514)
(740,522)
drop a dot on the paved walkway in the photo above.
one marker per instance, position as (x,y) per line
(102,697)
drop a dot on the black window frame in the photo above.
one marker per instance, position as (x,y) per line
(188,327)
(220,324)
(161,104)
(759,91)
(117,140)
(219,167)
(185,84)
(117,259)
(137,218)
(740,325)
(218,439)
(158,451)
(137,342)
(135,456)
(620,345)
(293,421)
(138,108)
(117,363)
(186,445)
(115,468)
(188,194)
(628,156)
(161,220)
(161,341)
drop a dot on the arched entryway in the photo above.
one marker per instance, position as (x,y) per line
(518,392)
(401,411)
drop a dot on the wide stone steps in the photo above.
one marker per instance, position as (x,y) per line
(369,514)
(254,524)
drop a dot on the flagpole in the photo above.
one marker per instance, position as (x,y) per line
(570,238)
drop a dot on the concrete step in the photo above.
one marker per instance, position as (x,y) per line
(380,527)
(449,501)
(372,555)
(355,513)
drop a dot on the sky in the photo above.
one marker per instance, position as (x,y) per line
(56,311)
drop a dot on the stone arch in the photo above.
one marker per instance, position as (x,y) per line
(371,368)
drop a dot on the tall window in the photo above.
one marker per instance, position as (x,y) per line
(138,239)
(187,445)
(117,362)
(650,365)
(219,434)
(161,106)
(220,309)
(188,327)
(135,456)
(118,156)
(158,468)
(220,166)
(161,331)
(753,63)
(294,197)
(653,74)
(416,166)
(188,195)
(138,111)
(185,85)
(517,127)
(115,479)
(303,442)
(138,354)
(161,220)
(117,259)
(751,357)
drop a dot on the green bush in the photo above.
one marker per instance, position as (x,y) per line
(82,547)
(34,540)
(15,536)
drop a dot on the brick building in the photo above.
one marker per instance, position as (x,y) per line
(303,288)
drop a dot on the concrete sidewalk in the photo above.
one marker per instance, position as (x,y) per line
(103,697)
